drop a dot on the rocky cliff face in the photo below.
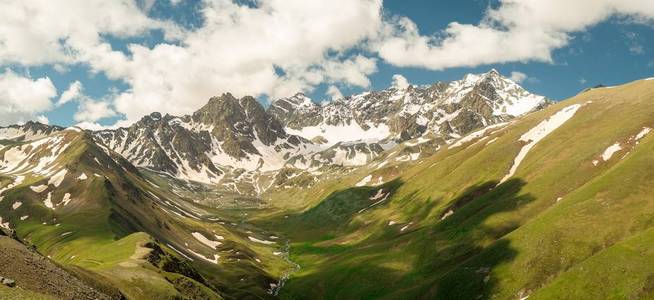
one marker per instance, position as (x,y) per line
(449,109)
(227,133)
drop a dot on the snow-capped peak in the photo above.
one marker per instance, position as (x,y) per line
(298,101)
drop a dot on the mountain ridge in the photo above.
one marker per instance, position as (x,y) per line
(229,133)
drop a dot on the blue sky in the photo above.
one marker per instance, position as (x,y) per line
(606,50)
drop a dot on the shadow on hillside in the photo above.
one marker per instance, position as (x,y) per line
(449,259)
(336,211)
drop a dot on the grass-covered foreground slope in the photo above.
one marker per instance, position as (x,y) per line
(574,221)
(101,219)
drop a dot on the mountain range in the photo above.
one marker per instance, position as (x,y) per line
(468,189)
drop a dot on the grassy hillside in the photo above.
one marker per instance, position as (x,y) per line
(567,221)
(107,222)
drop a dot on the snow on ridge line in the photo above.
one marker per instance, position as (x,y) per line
(542,130)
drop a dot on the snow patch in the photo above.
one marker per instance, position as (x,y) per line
(39,188)
(213,261)
(48,201)
(58,178)
(447,214)
(204,240)
(16,205)
(642,133)
(379,195)
(608,153)
(476,134)
(5,225)
(82,177)
(364,181)
(260,241)
(536,134)
(420,140)
(66,199)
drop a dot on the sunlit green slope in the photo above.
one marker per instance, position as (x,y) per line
(574,221)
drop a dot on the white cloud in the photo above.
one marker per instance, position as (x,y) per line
(240,47)
(518,77)
(92,111)
(42,119)
(334,93)
(23,98)
(89,110)
(74,92)
(399,82)
(274,47)
(91,126)
(515,31)
(35,32)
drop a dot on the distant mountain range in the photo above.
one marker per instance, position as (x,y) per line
(229,133)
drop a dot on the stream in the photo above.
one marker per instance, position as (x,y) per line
(286,251)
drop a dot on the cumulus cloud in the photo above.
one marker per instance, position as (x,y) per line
(518,77)
(73,92)
(92,111)
(514,31)
(42,119)
(89,110)
(334,93)
(274,48)
(37,32)
(399,82)
(23,98)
